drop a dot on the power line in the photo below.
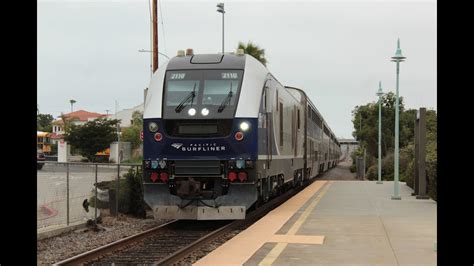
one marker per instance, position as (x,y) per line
(163,27)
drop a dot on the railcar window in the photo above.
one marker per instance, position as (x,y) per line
(281,124)
(276,92)
(298,118)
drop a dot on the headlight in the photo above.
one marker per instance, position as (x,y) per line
(244,126)
(240,164)
(205,111)
(191,111)
(153,127)
(154,164)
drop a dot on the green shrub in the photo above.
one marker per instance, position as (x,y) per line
(431,169)
(387,167)
(372,173)
(353,168)
(410,174)
(135,192)
(130,198)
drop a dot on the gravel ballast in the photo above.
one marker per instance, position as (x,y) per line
(61,247)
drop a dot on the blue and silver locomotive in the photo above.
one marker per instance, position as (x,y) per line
(221,133)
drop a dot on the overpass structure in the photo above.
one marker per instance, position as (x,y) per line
(347,147)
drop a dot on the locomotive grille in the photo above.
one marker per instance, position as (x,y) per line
(197,168)
(201,128)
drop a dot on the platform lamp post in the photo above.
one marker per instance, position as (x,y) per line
(220,9)
(380,93)
(398,57)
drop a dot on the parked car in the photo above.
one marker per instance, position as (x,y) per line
(40,158)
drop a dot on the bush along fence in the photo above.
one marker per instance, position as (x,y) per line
(128,200)
(425,134)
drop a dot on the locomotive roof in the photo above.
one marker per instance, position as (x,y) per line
(206,61)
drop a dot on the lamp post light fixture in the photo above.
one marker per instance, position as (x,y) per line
(220,9)
(72,103)
(380,93)
(398,57)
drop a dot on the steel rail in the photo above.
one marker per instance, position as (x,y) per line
(111,247)
(182,253)
(252,216)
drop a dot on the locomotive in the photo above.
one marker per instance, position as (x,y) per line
(221,134)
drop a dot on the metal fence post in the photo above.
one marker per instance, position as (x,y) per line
(117,189)
(95,200)
(417,154)
(363,168)
(422,189)
(67,193)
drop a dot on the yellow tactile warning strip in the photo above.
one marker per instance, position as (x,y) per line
(247,242)
(278,249)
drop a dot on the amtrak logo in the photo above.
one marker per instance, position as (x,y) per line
(177,145)
(198,147)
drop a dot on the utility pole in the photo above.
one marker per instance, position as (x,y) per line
(155,35)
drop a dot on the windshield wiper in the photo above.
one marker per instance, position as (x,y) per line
(182,104)
(226,100)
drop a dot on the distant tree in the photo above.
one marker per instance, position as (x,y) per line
(132,133)
(367,132)
(255,51)
(92,137)
(365,121)
(44,122)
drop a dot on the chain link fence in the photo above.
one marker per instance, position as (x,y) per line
(67,192)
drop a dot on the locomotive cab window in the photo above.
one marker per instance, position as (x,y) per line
(199,94)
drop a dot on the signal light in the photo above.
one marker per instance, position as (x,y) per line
(164,177)
(147,164)
(239,136)
(158,136)
(154,177)
(242,176)
(232,176)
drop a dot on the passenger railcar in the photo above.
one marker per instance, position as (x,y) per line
(222,133)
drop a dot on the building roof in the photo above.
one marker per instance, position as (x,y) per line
(80,115)
(56,136)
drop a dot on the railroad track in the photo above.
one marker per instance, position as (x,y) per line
(173,242)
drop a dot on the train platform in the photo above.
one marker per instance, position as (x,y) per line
(338,223)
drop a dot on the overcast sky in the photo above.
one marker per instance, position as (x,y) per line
(337,51)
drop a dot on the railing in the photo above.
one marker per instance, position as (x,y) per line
(64,190)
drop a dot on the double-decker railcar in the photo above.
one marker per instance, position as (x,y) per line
(222,133)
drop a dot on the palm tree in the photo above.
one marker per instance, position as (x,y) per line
(255,51)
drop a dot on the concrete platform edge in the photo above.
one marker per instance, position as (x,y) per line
(52,232)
